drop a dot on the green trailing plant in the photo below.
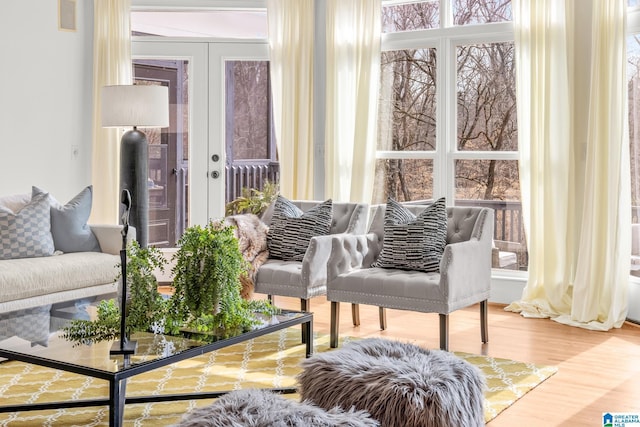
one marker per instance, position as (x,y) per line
(206,298)
(253,200)
(145,306)
(208,266)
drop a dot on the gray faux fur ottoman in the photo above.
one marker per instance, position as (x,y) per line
(260,408)
(399,384)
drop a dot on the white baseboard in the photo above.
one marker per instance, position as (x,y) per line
(507,286)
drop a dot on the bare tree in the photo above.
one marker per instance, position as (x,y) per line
(486,103)
(250,109)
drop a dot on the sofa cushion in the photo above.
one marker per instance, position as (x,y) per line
(413,242)
(69,222)
(34,277)
(291,229)
(26,233)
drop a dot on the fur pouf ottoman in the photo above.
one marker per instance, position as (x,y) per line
(399,384)
(259,408)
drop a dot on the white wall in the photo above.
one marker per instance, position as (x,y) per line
(45,98)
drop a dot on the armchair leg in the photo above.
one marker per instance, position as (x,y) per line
(335,320)
(382,313)
(304,306)
(484,321)
(444,332)
(355,314)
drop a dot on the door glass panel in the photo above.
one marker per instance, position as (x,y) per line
(168,152)
(158,167)
(251,159)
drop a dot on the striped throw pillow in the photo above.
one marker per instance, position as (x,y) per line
(413,242)
(291,229)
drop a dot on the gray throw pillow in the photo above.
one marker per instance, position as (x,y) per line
(291,229)
(26,233)
(413,242)
(69,222)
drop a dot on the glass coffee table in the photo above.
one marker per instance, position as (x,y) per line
(96,361)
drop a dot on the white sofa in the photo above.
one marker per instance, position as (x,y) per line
(34,290)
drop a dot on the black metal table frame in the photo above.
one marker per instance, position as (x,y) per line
(117,380)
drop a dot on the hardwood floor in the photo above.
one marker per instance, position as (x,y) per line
(598,371)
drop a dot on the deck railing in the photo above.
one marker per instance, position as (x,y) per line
(241,174)
(507,220)
(249,174)
(508,223)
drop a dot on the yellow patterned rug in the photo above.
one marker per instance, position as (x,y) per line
(268,361)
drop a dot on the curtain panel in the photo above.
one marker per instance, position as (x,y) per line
(575,183)
(111,66)
(291,49)
(353,70)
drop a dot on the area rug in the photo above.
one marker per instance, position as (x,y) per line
(265,362)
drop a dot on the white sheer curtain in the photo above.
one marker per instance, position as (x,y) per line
(291,32)
(602,270)
(353,70)
(575,184)
(111,66)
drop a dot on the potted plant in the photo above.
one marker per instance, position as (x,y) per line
(208,267)
(252,200)
(206,297)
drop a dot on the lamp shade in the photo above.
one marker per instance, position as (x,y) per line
(135,105)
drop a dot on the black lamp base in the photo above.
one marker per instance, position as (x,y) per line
(134,173)
(129,347)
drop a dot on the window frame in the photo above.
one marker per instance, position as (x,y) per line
(446,40)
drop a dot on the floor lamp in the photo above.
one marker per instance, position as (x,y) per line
(136,106)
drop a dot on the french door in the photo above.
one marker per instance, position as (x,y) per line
(187,168)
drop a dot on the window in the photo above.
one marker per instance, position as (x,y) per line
(447,112)
(481,11)
(633,87)
(412,16)
(633,91)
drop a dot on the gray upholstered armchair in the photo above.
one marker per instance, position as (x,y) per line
(308,278)
(463,279)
